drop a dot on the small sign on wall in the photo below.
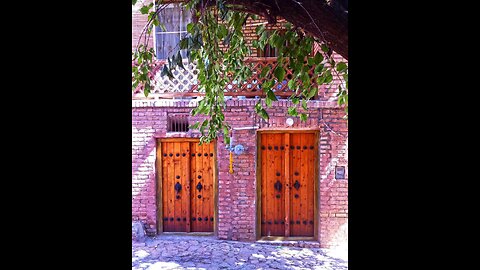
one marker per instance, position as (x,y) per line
(339,172)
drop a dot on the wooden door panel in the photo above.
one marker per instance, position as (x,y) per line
(167,190)
(175,182)
(202,187)
(185,208)
(287,190)
(302,188)
(273,184)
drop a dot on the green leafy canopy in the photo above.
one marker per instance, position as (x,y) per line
(221,25)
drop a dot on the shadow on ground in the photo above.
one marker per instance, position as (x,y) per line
(206,252)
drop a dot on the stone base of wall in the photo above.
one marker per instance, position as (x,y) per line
(138,231)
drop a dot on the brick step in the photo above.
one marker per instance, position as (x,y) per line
(291,243)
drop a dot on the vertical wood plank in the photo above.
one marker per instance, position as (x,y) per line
(164,184)
(295,174)
(210,186)
(303,186)
(263,185)
(158,182)
(287,183)
(177,209)
(193,183)
(310,138)
(281,170)
(197,202)
(187,198)
(168,187)
(258,186)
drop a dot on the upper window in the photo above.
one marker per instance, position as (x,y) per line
(268,51)
(175,18)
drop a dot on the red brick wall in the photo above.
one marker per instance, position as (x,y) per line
(237,191)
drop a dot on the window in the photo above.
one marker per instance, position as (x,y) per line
(175,18)
(177,123)
(268,51)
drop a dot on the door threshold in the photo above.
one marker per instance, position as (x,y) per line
(299,241)
(283,238)
(189,233)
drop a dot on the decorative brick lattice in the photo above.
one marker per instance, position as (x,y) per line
(185,81)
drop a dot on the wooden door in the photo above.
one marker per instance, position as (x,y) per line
(187,186)
(273,182)
(302,174)
(287,184)
(202,187)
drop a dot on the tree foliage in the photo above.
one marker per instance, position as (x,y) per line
(218,65)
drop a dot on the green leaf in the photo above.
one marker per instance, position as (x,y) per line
(291,84)
(304,77)
(204,123)
(227,39)
(263,36)
(264,114)
(310,61)
(295,100)
(324,47)
(268,101)
(318,58)
(258,106)
(190,28)
(292,111)
(279,73)
(194,126)
(226,135)
(341,66)
(162,26)
(328,77)
(312,93)
(304,105)
(146,90)
(180,60)
(183,44)
(304,117)
(134,2)
(271,95)
(166,71)
(318,69)
(260,29)
(265,70)
(144,9)
(278,42)
(267,85)
(222,31)
(321,79)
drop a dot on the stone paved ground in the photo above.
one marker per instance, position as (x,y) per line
(206,252)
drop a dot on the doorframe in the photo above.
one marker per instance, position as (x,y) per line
(159,183)
(316,184)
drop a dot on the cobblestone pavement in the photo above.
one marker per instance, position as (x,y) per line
(206,252)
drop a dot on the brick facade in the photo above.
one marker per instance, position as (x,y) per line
(237,192)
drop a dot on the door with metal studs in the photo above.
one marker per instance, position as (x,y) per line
(287,184)
(187,192)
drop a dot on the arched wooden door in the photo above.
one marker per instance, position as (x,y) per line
(186,187)
(288,173)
